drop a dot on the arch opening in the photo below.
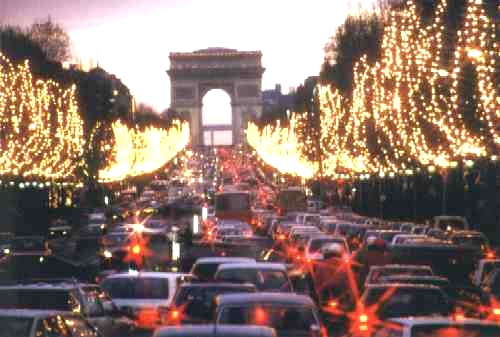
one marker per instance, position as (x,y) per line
(217,118)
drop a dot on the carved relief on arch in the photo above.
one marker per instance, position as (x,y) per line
(185,93)
(248,91)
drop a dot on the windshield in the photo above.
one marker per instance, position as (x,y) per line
(404,302)
(15,326)
(316,244)
(264,280)
(276,316)
(198,302)
(205,271)
(136,288)
(455,331)
(471,240)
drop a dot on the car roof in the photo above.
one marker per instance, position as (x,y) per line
(437,320)
(223,259)
(402,285)
(216,285)
(214,330)
(256,265)
(146,275)
(400,266)
(29,313)
(46,286)
(265,297)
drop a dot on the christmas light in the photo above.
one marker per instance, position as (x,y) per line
(139,152)
(41,133)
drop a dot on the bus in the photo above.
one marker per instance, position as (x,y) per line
(234,205)
(291,199)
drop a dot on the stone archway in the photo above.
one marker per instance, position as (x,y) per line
(238,73)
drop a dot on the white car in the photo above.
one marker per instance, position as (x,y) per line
(437,326)
(143,296)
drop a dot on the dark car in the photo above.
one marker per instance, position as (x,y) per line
(392,300)
(42,323)
(204,268)
(193,303)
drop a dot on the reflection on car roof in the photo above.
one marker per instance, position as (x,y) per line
(29,313)
(256,265)
(223,259)
(264,297)
(219,330)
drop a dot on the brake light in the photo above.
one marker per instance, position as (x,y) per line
(281,237)
(174,314)
(136,249)
(332,304)
(363,318)
(496,311)
(490,255)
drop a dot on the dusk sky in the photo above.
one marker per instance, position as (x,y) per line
(133,38)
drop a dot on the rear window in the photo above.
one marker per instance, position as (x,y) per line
(316,244)
(404,302)
(282,318)
(205,271)
(132,288)
(375,275)
(37,299)
(15,326)
(456,331)
(198,302)
(264,280)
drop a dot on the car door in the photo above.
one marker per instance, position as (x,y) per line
(93,311)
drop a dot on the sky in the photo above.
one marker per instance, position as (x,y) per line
(133,38)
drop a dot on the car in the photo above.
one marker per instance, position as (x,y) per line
(43,323)
(193,303)
(204,268)
(473,239)
(142,296)
(390,300)
(289,314)
(5,243)
(403,238)
(266,276)
(68,296)
(215,330)
(437,327)
(58,236)
(449,223)
(312,250)
(376,272)
(386,235)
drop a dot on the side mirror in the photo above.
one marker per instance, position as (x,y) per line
(111,309)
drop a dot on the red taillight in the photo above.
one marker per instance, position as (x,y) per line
(496,312)
(174,315)
(136,249)
(491,255)
(281,237)
(333,304)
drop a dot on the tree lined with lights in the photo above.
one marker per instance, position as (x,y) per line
(408,109)
(40,126)
(137,152)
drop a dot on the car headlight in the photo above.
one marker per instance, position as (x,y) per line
(6,251)
(107,254)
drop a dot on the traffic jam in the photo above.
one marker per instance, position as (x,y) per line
(218,247)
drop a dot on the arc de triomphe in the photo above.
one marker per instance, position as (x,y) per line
(239,73)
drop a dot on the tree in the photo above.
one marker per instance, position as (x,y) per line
(53,40)
(360,34)
(18,46)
